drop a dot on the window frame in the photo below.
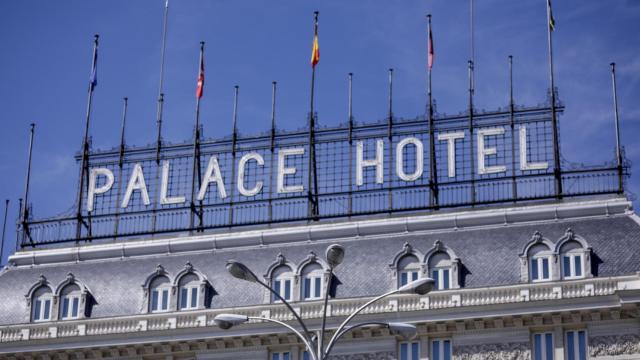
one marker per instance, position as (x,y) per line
(279,284)
(73,301)
(442,355)
(572,255)
(190,289)
(439,279)
(164,297)
(280,355)
(413,348)
(315,279)
(38,303)
(578,349)
(539,259)
(544,346)
(414,274)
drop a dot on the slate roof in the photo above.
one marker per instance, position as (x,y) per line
(490,257)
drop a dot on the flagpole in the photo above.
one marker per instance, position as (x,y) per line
(472,43)
(24,205)
(273,147)
(313,179)
(85,146)
(472,191)
(120,165)
(554,120)
(350,114)
(4,228)
(433,176)
(514,184)
(196,173)
(390,138)
(161,83)
(234,139)
(617,123)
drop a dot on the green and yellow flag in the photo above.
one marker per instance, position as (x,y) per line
(552,21)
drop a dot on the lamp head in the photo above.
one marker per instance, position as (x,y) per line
(226,321)
(420,287)
(240,271)
(406,331)
(335,255)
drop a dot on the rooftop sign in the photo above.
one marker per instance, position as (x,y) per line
(361,169)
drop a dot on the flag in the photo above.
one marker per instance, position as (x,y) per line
(93,79)
(552,21)
(200,86)
(315,51)
(430,46)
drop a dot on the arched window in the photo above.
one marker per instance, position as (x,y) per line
(189,290)
(70,300)
(540,263)
(408,270)
(312,279)
(41,304)
(159,292)
(440,270)
(282,282)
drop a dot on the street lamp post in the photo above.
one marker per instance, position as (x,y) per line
(314,343)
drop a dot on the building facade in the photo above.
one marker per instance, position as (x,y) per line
(545,280)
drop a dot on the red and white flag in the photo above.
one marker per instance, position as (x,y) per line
(200,87)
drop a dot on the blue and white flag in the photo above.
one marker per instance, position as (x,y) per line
(93,79)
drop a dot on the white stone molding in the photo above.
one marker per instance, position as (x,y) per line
(440,248)
(498,351)
(204,289)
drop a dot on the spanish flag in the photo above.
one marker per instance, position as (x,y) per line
(200,84)
(315,51)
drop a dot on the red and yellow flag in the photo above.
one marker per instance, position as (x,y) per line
(315,52)
(200,86)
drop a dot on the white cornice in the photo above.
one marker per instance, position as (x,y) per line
(336,231)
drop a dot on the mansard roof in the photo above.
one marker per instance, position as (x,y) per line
(489,255)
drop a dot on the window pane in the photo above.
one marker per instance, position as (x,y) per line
(305,355)
(545,268)
(183,298)
(414,275)
(582,346)
(275,356)
(318,287)
(548,344)
(194,297)
(404,352)
(447,350)
(434,276)
(165,299)
(415,351)
(287,290)
(403,279)
(74,309)
(307,288)
(445,278)
(36,310)
(285,356)
(65,307)
(566,261)
(537,346)
(47,307)
(534,269)
(578,264)
(570,346)
(276,287)
(154,300)
(435,350)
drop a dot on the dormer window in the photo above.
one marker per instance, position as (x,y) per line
(312,276)
(572,255)
(440,270)
(41,304)
(282,283)
(70,302)
(188,296)
(408,270)
(159,294)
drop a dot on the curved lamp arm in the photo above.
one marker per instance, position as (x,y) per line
(301,336)
(338,335)
(346,321)
(295,314)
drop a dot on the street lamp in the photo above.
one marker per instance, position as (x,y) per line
(315,344)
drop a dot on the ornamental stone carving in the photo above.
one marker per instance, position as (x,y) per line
(382,355)
(614,345)
(509,351)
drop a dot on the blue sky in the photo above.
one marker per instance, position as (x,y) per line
(46,55)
